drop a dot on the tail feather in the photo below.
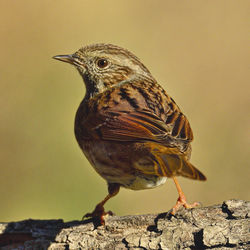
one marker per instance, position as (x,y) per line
(166,161)
(176,164)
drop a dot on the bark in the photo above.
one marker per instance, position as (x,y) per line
(224,226)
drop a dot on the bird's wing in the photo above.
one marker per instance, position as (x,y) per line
(138,111)
(165,154)
(143,125)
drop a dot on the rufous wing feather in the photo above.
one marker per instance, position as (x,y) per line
(135,126)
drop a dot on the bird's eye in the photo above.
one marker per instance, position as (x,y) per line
(102,63)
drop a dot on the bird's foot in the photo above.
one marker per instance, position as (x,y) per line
(183,202)
(98,214)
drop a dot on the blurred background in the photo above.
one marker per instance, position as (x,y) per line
(198,50)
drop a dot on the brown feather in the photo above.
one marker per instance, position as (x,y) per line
(131,131)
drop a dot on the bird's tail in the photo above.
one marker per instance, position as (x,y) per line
(166,161)
(176,164)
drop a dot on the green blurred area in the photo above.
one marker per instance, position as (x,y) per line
(198,50)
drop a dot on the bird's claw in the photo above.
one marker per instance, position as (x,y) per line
(98,214)
(182,202)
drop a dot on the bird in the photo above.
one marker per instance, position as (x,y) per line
(130,130)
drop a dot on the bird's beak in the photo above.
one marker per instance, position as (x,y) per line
(72,59)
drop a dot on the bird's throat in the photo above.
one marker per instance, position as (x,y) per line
(93,88)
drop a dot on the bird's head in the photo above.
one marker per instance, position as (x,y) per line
(105,65)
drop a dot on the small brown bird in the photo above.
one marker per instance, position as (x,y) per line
(131,131)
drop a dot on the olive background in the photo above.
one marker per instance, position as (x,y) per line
(197,50)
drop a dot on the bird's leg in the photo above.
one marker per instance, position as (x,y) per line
(99,212)
(182,199)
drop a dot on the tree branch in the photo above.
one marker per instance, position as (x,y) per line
(222,226)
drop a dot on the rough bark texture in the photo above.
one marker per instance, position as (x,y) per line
(224,226)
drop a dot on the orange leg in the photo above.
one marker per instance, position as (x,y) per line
(99,211)
(182,199)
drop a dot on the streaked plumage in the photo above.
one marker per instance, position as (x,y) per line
(129,128)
